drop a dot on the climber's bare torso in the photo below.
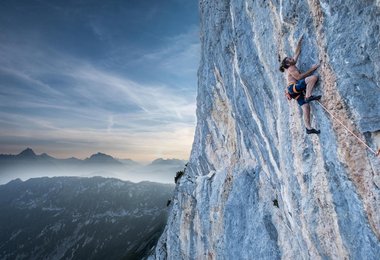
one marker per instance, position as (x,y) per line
(291,70)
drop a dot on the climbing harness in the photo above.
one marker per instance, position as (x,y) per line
(296,94)
(360,140)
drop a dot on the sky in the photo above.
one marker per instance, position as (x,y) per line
(87,76)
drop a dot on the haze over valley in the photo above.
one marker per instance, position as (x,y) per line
(27,164)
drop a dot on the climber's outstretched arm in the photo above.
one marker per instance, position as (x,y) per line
(297,75)
(298,49)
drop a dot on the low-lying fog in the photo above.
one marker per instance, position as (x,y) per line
(28,165)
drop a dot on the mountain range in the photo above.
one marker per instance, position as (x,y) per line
(30,155)
(28,164)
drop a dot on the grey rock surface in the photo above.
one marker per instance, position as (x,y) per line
(256,186)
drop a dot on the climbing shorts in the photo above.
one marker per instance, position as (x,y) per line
(296,91)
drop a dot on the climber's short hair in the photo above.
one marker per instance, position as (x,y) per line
(284,64)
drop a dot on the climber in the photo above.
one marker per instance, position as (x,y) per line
(300,85)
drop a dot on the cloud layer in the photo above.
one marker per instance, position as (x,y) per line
(139,105)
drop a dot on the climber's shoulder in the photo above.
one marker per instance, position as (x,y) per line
(292,68)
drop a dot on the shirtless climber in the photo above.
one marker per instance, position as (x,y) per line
(300,86)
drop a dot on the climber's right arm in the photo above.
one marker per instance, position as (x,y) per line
(295,73)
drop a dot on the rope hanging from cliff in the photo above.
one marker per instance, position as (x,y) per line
(360,140)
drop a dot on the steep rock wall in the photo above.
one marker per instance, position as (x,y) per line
(256,186)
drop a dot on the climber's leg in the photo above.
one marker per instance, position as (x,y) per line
(310,83)
(306,115)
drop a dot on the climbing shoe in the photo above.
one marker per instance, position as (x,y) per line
(312,131)
(311,98)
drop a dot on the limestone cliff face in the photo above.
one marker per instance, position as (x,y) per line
(256,186)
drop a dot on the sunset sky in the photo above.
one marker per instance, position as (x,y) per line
(81,77)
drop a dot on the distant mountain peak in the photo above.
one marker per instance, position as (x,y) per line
(161,161)
(128,162)
(27,153)
(102,158)
(100,155)
(166,160)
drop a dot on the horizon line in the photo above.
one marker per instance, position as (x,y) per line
(145,161)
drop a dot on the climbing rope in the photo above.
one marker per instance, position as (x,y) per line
(360,140)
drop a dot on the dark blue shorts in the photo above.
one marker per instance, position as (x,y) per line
(300,88)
